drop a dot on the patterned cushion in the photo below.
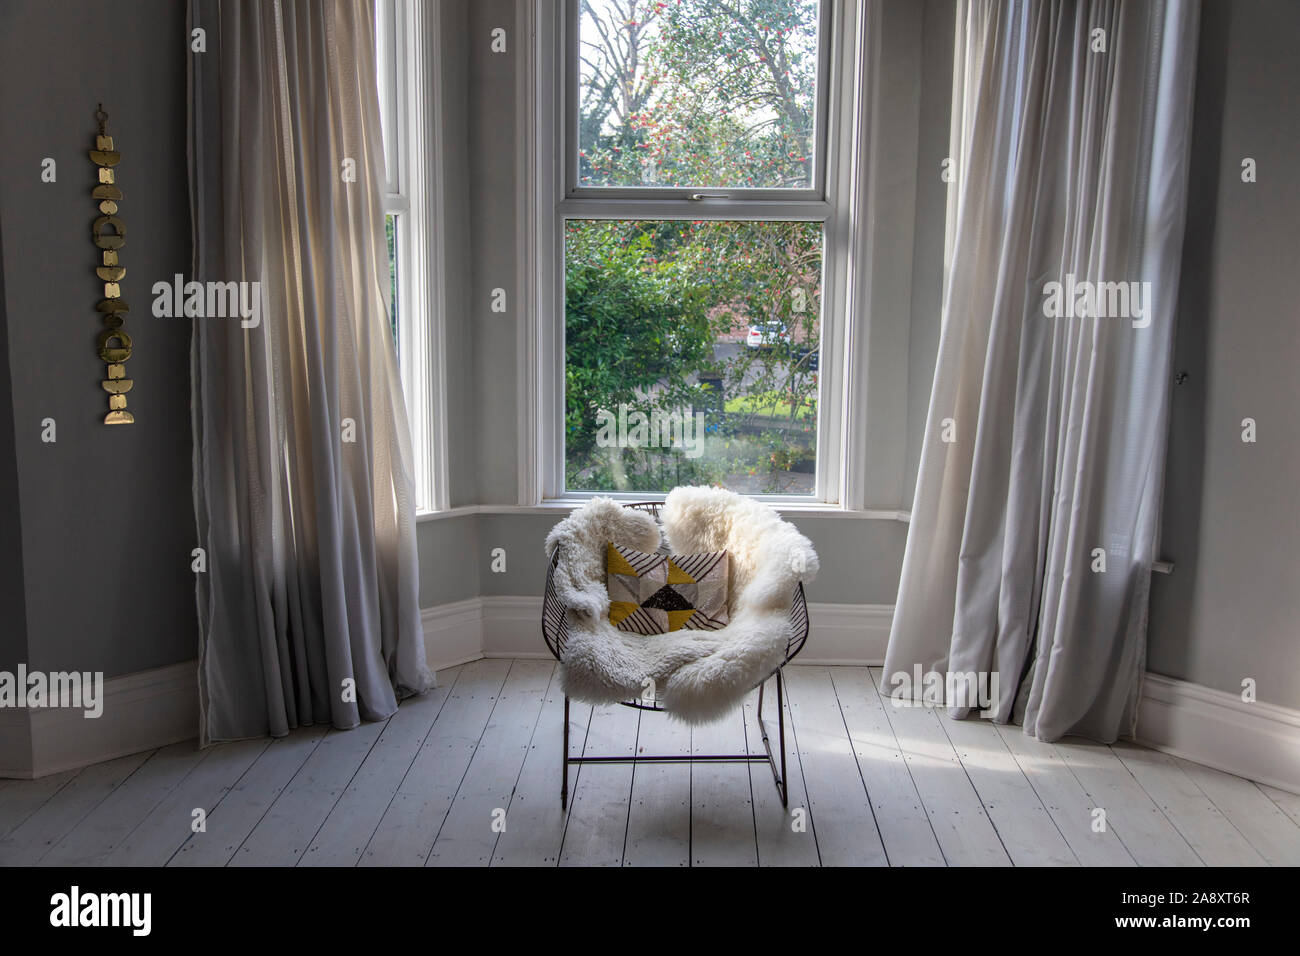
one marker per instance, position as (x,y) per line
(656,593)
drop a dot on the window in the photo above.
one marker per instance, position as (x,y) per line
(693,199)
(406,35)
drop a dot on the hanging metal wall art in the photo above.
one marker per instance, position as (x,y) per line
(109,236)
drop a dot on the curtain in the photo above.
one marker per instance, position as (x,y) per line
(308,607)
(1034,520)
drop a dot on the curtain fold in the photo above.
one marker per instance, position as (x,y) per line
(1044,447)
(303,495)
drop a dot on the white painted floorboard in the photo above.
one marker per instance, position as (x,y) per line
(659,816)
(961,824)
(870,784)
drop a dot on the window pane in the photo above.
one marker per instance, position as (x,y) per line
(697,93)
(390,230)
(691,355)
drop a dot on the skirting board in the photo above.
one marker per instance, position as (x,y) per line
(453,633)
(841,634)
(1258,741)
(143,710)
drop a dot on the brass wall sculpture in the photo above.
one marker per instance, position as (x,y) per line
(109,235)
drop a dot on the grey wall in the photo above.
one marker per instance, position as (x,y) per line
(107,519)
(1231,608)
(860,558)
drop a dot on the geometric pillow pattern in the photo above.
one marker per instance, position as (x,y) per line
(658,593)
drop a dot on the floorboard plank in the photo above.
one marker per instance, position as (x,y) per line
(601,794)
(1270,831)
(961,824)
(1288,803)
(723,832)
(838,801)
(468,836)
(293,820)
(1141,825)
(236,814)
(409,826)
(1065,799)
(659,820)
(535,833)
(878,784)
(21,798)
(786,835)
(343,836)
(92,840)
(35,836)
(1214,839)
(1028,832)
(171,823)
(900,813)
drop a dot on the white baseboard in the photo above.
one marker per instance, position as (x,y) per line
(1258,741)
(854,634)
(15,744)
(511,627)
(142,711)
(453,633)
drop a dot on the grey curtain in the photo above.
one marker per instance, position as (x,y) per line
(1046,435)
(308,608)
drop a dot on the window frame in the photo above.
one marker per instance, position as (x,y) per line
(549,103)
(408,35)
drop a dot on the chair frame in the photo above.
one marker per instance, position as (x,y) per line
(555,632)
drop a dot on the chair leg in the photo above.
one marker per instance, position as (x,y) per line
(564,765)
(780,722)
(782,782)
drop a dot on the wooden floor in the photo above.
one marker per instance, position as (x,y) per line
(469,775)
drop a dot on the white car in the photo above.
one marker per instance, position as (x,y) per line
(766,335)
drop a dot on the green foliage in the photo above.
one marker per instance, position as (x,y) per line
(633,322)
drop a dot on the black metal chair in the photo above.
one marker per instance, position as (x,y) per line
(555,631)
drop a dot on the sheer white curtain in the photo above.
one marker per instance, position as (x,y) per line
(1044,450)
(309,607)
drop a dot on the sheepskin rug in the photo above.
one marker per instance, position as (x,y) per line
(700,676)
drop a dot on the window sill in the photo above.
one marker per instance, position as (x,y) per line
(558,506)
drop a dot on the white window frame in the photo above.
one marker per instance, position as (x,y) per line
(408,37)
(550,195)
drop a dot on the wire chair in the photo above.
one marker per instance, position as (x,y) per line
(555,632)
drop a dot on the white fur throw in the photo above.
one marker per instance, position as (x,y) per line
(700,676)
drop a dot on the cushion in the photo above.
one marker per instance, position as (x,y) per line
(659,593)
